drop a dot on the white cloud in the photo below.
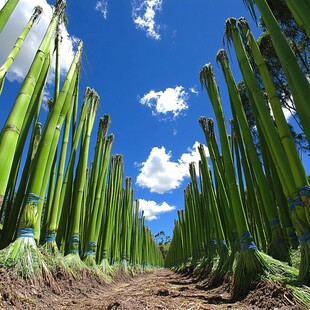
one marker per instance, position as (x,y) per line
(160,174)
(152,209)
(287,114)
(193,90)
(12,30)
(143,13)
(102,7)
(167,102)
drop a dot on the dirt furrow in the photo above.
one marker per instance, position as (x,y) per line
(160,289)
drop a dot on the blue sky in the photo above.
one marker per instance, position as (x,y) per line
(143,57)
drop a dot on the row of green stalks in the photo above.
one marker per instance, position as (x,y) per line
(244,215)
(55,211)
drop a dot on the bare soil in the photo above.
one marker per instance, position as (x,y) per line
(160,289)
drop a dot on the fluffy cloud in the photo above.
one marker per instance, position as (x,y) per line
(152,209)
(143,13)
(12,30)
(160,174)
(102,7)
(287,114)
(171,101)
(193,90)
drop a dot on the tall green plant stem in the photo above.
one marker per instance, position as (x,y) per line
(18,44)
(259,105)
(297,80)
(301,12)
(11,130)
(6,12)
(298,170)
(270,209)
(81,172)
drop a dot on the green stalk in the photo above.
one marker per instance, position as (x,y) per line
(53,147)
(46,150)
(81,175)
(254,195)
(301,12)
(113,194)
(298,170)
(11,130)
(197,210)
(249,263)
(53,210)
(58,221)
(6,12)
(126,210)
(97,210)
(300,202)
(207,126)
(277,239)
(18,44)
(221,240)
(297,81)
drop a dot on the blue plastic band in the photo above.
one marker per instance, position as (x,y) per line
(90,253)
(104,252)
(50,236)
(74,251)
(247,246)
(292,235)
(295,201)
(92,243)
(25,233)
(213,242)
(274,223)
(32,198)
(246,235)
(75,240)
(304,191)
(304,238)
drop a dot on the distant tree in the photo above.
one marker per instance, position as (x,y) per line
(163,242)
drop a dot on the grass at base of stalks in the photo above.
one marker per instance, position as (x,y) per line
(295,256)
(205,265)
(304,266)
(90,262)
(222,267)
(55,260)
(278,247)
(25,259)
(288,276)
(136,269)
(106,268)
(75,263)
(125,267)
(250,266)
(301,294)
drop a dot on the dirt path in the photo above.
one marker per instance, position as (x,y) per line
(161,289)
